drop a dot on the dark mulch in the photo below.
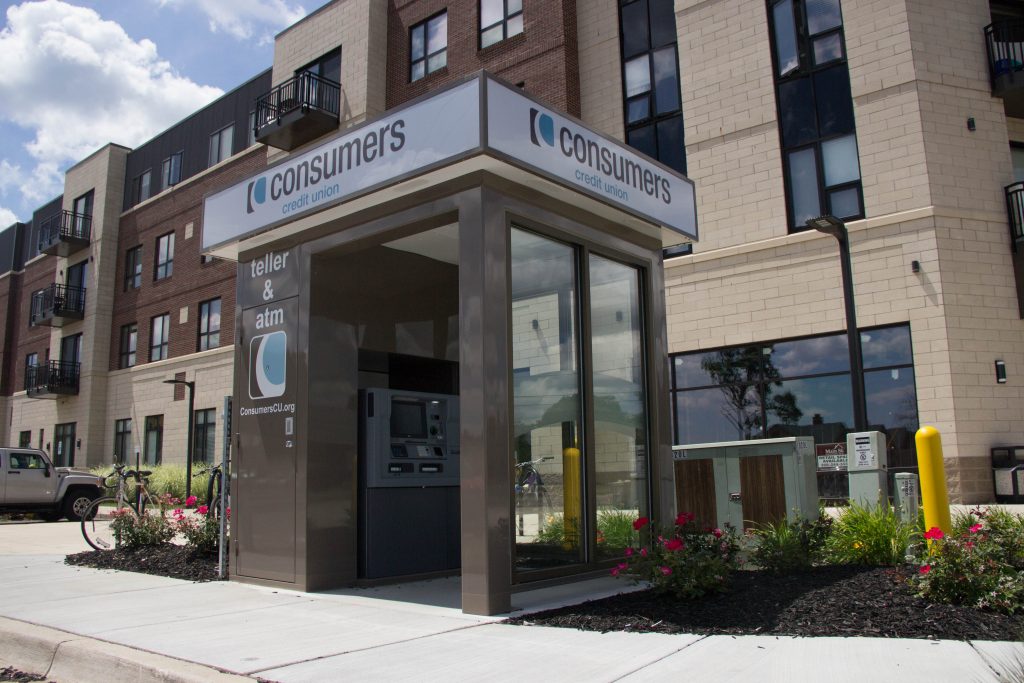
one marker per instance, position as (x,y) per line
(11,674)
(826,601)
(175,561)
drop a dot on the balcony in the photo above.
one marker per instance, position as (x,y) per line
(56,305)
(299,110)
(53,378)
(65,233)
(1005,43)
(1015,213)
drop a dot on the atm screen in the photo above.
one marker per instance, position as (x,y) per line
(408,419)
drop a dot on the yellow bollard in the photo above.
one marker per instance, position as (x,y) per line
(572,499)
(934,496)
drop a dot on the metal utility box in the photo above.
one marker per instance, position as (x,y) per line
(866,463)
(746,483)
(1008,473)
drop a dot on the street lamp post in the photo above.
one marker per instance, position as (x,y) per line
(191,440)
(830,225)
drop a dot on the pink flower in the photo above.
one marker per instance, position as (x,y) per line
(673,545)
(190,501)
(179,513)
(666,571)
(629,552)
(925,568)
(640,523)
(622,566)
(684,517)
(969,545)
(934,534)
(203,509)
(643,552)
(717,532)
(976,528)
(175,501)
(615,571)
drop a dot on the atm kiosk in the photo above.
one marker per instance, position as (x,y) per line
(409,483)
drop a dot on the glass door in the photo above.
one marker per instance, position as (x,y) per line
(64,445)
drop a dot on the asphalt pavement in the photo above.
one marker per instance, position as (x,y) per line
(79,625)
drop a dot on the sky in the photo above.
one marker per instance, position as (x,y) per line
(76,75)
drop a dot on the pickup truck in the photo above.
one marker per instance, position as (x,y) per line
(30,483)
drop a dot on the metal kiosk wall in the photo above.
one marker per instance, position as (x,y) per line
(423,243)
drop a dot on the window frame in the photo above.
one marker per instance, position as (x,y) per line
(206,335)
(170,169)
(424,26)
(204,422)
(163,269)
(159,347)
(138,195)
(128,349)
(216,147)
(503,22)
(133,268)
(122,439)
(153,424)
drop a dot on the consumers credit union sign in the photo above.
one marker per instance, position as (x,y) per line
(444,129)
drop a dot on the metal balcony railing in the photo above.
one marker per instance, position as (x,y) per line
(296,111)
(52,377)
(1015,211)
(65,228)
(57,302)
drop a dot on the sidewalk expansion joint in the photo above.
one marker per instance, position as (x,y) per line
(659,659)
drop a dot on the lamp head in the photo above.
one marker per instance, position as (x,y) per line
(828,224)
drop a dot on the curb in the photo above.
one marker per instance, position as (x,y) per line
(65,657)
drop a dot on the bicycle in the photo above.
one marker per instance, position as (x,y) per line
(529,485)
(214,488)
(96,526)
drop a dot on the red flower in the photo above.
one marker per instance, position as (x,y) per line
(684,517)
(673,545)
(717,532)
(615,571)
(976,528)
(202,509)
(643,552)
(640,523)
(925,568)
(190,501)
(629,552)
(934,534)
(666,571)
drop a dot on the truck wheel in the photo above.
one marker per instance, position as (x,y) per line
(76,503)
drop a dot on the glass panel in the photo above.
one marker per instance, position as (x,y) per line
(418,71)
(828,48)
(515,26)
(739,365)
(1017,153)
(839,157)
(891,399)
(515,6)
(226,138)
(638,109)
(491,12)
(620,397)
(721,414)
(663,23)
(785,37)
(832,96)
(821,407)
(638,76)
(417,43)
(803,186)
(666,81)
(437,33)
(822,15)
(546,411)
(491,36)
(886,346)
(797,109)
(642,140)
(670,143)
(844,203)
(437,61)
(634,29)
(807,357)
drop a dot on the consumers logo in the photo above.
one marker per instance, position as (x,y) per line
(268,354)
(256,193)
(542,127)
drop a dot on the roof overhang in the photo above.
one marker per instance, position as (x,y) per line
(480,124)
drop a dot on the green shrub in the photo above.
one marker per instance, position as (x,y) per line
(149,529)
(166,480)
(873,536)
(615,530)
(970,568)
(790,545)
(201,531)
(684,561)
(1002,527)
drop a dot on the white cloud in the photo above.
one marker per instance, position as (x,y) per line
(243,19)
(77,82)
(7,218)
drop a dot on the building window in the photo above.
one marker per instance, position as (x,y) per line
(652,104)
(328,66)
(133,268)
(31,360)
(428,46)
(142,187)
(209,325)
(220,144)
(122,440)
(499,19)
(799,387)
(159,335)
(205,435)
(25,439)
(154,445)
(171,170)
(64,444)
(129,340)
(250,139)
(164,264)
(812,85)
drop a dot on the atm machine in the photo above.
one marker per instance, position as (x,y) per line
(409,483)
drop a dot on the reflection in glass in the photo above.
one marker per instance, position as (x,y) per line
(719,414)
(634,28)
(822,15)
(886,346)
(797,109)
(546,412)
(785,37)
(803,185)
(663,23)
(642,140)
(844,203)
(827,48)
(638,109)
(813,356)
(638,76)
(666,82)
(839,157)
(620,412)
(671,150)
(821,407)
(833,100)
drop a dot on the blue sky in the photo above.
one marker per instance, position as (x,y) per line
(75,75)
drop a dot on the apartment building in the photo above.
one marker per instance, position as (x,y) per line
(904,120)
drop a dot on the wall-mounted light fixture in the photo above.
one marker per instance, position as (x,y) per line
(1000,372)
(915,266)
(534,324)
(970,124)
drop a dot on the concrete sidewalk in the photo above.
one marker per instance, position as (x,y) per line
(82,625)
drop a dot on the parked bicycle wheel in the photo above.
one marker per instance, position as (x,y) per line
(96,523)
(215,507)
